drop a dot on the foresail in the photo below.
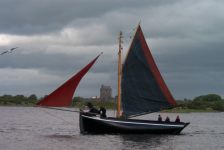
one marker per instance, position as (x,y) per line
(143,88)
(62,96)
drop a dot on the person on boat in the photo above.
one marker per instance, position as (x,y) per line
(167,119)
(92,110)
(103,112)
(160,118)
(177,119)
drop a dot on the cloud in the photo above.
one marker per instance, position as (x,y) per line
(57,38)
(33,17)
(25,81)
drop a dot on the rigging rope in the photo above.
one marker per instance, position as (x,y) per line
(55,116)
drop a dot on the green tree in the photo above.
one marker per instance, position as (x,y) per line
(32,97)
(209,97)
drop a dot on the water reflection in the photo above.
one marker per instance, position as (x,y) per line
(146,141)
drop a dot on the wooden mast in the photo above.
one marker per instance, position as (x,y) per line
(119,77)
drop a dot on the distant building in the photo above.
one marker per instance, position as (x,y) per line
(105,92)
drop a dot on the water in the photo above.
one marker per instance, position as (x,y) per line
(28,128)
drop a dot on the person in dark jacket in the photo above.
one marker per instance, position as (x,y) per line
(103,112)
(167,119)
(177,119)
(160,118)
(92,110)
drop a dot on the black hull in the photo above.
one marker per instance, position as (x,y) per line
(96,125)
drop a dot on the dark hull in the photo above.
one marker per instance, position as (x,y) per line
(96,125)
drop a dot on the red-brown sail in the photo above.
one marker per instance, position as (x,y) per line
(62,96)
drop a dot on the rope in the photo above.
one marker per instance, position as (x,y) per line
(67,110)
(60,109)
(57,117)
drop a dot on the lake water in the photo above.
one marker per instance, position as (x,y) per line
(29,128)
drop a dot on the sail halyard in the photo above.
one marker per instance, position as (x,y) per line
(62,96)
(143,89)
(132,41)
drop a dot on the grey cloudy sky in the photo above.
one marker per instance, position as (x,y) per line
(56,38)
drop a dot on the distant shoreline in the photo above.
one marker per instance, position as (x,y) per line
(174,110)
(203,103)
(189,111)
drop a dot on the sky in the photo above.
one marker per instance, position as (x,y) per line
(56,38)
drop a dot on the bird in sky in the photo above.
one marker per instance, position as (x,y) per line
(12,49)
(4,52)
(8,51)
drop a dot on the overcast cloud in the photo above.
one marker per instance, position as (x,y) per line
(57,38)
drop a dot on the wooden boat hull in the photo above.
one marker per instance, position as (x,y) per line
(96,125)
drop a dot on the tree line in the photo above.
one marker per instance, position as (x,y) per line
(210,102)
(18,100)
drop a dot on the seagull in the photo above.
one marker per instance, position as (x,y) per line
(12,49)
(4,52)
(8,51)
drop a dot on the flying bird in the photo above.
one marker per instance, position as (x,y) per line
(12,49)
(8,51)
(4,52)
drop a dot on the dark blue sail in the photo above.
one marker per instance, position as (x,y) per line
(143,88)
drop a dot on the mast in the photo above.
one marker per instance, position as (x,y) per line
(119,76)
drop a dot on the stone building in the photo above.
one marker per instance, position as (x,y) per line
(105,92)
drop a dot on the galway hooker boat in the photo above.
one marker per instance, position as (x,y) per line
(141,90)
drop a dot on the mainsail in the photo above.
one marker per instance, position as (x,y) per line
(62,96)
(143,88)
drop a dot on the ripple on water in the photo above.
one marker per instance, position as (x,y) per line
(35,130)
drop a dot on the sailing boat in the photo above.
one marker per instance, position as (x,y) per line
(141,89)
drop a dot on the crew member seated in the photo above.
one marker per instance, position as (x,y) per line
(103,112)
(159,118)
(167,119)
(92,110)
(177,119)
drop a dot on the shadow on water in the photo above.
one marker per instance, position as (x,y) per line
(124,142)
(145,141)
(59,136)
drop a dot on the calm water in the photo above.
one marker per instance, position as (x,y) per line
(27,128)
